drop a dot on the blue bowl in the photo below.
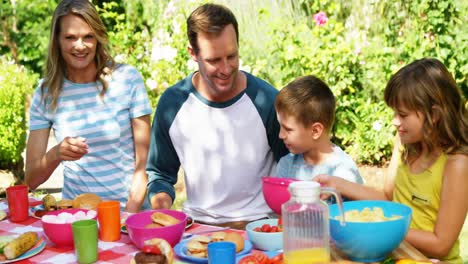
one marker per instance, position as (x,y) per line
(370,241)
(262,240)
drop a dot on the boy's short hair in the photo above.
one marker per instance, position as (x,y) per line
(309,100)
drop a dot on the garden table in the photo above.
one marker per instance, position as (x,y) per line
(121,251)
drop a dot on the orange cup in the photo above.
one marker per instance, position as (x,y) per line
(109,220)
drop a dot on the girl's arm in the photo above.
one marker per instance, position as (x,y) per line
(452,211)
(141,138)
(355,191)
(350,190)
(40,163)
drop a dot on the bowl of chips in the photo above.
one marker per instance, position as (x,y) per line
(372,229)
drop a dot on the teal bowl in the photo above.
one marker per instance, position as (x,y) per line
(264,241)
(370,241)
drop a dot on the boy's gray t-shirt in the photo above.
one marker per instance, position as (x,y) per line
(338,164)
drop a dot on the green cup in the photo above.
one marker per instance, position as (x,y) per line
(85,237)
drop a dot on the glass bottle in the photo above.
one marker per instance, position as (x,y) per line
(306,232)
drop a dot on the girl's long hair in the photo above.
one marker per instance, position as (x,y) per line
(55,69)
(426,86)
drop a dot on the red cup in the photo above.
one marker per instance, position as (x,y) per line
(18,203)
(109,220)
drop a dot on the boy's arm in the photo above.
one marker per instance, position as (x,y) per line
(452,211)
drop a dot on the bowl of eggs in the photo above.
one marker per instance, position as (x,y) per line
(57,225)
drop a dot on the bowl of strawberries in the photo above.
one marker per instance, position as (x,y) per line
(266,234)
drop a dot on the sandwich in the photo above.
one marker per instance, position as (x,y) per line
(218,236)
(164,219)
(196,249)
(49,202)
(154,251)
(236,238)
(86,201)
(198,246)
(65,204)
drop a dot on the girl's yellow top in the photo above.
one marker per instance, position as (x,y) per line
(421,192)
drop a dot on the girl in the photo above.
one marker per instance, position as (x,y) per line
(431,177)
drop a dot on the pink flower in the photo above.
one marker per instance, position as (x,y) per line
(320,18)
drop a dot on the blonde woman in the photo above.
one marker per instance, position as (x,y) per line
(99,112)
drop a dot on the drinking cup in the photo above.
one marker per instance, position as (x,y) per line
(109,220)
(223,252)
(18,203)
(85,238)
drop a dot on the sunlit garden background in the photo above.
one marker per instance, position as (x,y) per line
(354,45)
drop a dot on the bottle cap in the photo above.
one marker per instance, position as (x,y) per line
(305,189)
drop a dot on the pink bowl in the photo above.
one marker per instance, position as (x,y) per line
(139,233)
(61,234)
(275,191)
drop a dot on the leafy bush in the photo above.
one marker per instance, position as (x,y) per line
(355,51)
(15,86)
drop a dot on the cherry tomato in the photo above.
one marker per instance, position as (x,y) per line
(280,222)
(274,229)
(266,228)
(151,249)
(258,229)
(248,260)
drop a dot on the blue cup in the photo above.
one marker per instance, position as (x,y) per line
(223,252)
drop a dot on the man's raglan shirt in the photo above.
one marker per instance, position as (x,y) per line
(223,148)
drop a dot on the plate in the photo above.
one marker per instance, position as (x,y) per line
(40,245)
(123,228)
(181,251)
(35,210)
(34,202)
(190,222)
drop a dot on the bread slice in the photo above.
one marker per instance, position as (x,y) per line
(163,219)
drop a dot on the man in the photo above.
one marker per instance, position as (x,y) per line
(220,125)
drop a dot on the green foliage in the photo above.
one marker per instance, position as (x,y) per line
(25,31)
(355,52)
(15,86)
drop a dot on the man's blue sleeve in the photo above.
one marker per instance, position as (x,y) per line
(163,163)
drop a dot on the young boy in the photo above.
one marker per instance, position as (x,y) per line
(306,112)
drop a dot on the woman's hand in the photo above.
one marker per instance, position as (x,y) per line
(72,148)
